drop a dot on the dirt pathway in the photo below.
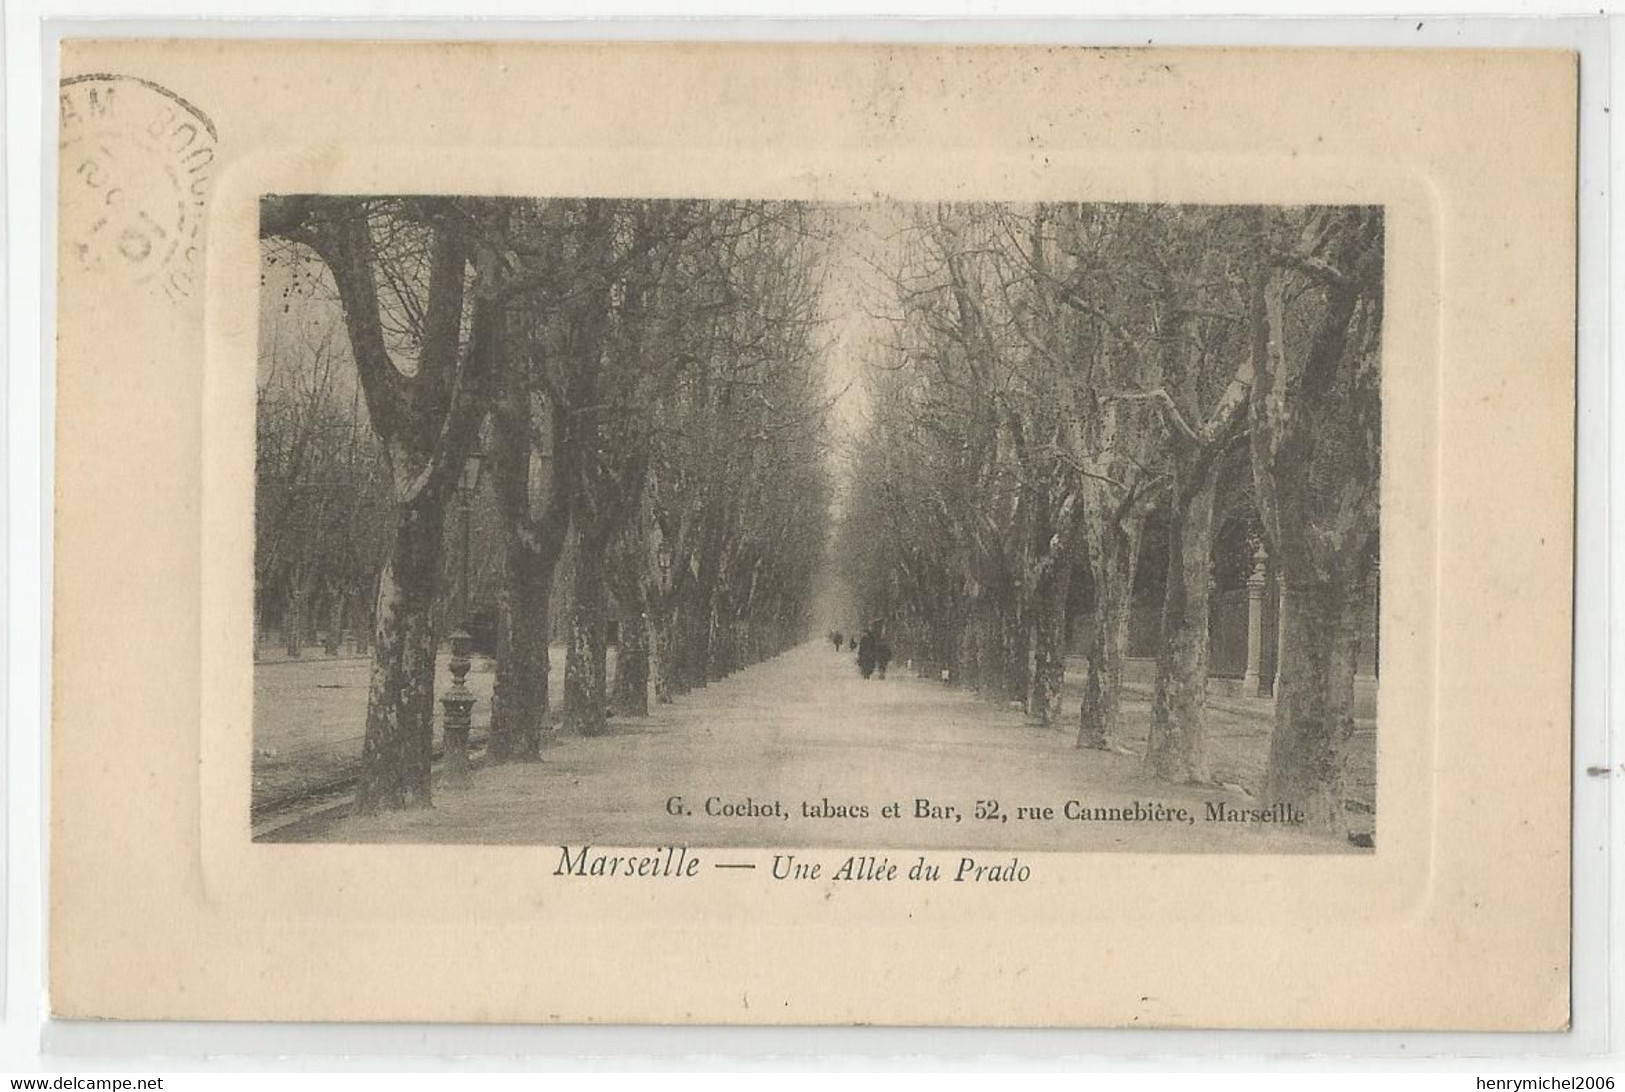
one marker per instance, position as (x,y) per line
(800,751)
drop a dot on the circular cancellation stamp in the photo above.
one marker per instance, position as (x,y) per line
(136,163)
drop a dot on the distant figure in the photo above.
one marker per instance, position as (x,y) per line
(839,638)
(866,653)
(882,655)
(851,643)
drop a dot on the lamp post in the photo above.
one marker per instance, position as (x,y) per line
(664,558)
(458,701)
(1250,685)
(467,487)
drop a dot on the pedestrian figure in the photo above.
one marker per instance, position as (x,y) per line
(866,653)
(882,655)
(851,643)
(839,638)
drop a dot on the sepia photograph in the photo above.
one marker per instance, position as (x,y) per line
(1004,526)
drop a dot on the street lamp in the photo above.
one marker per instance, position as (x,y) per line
(468,486)
(665,558)
(458,701)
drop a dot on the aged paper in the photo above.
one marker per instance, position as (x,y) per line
(898,345)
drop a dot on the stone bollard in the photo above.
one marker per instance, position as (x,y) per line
(458,703)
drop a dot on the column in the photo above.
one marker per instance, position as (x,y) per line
(1255,626)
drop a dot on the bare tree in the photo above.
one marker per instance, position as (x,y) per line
(425,418)
(1315,417)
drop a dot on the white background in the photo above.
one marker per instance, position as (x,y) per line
(29,1042)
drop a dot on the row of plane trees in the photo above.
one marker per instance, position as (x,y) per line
(1058,373)
(643,382)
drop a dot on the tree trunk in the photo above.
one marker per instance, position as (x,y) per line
(668,673)
(361,616)
(585,663)
(1314,712)
(293,618)
(1113,560)
(525,446)
(260,608)
(696,643)
(947,633)
(1177,748)
(335,623)
(991,651)
(1013,646)
(972,663)
(719,663)
(519,700)
(631,693)
(426,421)
(1315,438)
(397,748)
(1047,640)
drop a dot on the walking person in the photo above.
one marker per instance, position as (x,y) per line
(866,653)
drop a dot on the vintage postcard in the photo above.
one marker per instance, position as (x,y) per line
(813,534)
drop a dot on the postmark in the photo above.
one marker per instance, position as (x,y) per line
(136,163)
